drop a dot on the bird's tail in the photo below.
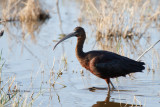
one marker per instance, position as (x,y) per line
(137,66)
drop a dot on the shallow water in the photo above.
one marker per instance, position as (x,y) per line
(29,57)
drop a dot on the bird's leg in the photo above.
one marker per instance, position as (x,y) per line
(108,97)
(108,81)
(112,85)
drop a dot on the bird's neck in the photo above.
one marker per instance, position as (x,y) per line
(79,47)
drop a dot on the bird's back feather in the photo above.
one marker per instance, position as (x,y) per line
(106,64)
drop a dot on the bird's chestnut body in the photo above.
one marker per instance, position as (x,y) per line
(103,64)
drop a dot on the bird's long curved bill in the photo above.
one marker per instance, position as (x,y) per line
(66,37)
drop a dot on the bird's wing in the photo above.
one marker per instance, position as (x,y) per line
(111,67)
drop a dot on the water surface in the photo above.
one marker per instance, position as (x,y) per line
(29,56)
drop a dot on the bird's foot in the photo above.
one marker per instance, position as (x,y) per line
(111,89)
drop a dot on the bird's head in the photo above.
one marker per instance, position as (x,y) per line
(78,32)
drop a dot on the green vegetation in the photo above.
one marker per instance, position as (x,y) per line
(10,94)
(6,94)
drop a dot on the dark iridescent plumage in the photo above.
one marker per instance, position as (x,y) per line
(103,64)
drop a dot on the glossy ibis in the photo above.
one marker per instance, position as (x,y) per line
(101,63)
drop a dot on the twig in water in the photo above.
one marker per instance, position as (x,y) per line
(1,32)
(148,50)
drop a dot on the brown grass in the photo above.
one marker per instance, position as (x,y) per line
(32,11)
(23,10)
(122,18)
(120,23)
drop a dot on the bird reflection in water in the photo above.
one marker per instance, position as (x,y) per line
(108,103)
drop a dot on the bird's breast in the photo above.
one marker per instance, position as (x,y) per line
(84,63)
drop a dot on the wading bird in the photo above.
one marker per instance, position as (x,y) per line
(102,63)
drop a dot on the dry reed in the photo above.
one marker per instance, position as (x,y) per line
(32,11)
(120,18)
(120,25)
(23,10)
